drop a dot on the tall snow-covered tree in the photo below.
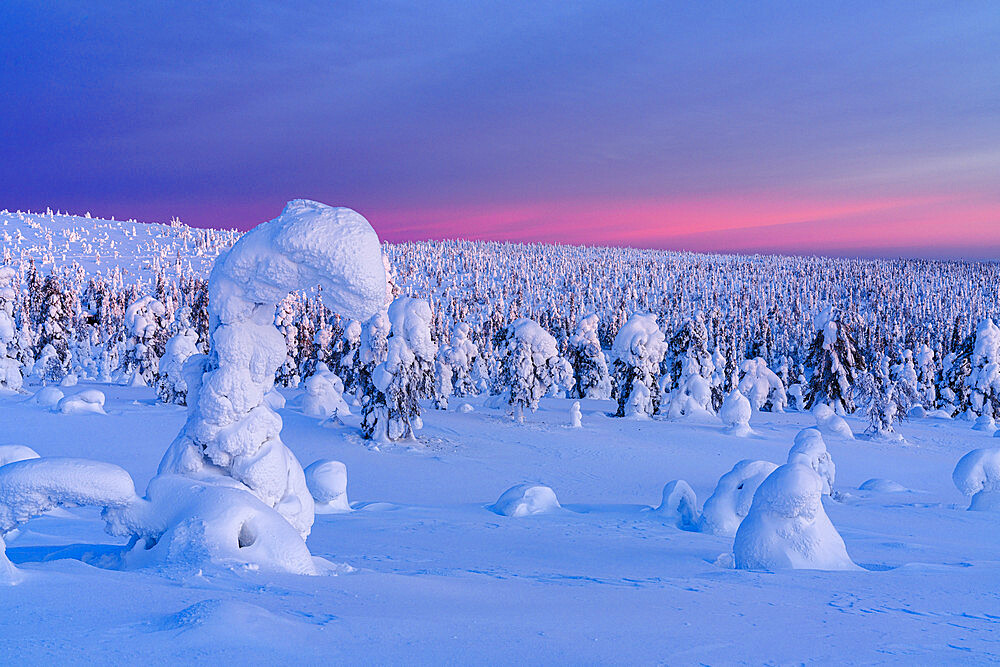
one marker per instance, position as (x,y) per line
(10,367)
(373,350)
(638,351)
(530,366)
(835,363)
(590,367)
(405,376)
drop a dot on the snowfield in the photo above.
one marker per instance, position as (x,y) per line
(425,572)
(579,469)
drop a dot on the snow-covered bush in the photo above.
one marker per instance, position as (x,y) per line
(47,397)
(637,352)
(170,384)
(590,367)
(14,453)
(530,366)
(405,377)
(526,500)
(730,502)
(762,386)
(327,481)
(977,474)
(835,364)
(679,505)
(809,449)
(324,397)
(787,527)
(735,413)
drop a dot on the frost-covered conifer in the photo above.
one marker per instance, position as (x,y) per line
(349,362)
(55,331)
(884,401)
(638,350)
(171,385)
(466,364)
(835,363)
(406,376)
(147,328)
(284,320)
(762,386)
(590,367)
(972,378)
(530,366)
(372,351)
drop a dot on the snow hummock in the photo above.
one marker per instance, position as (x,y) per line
(977,474)
(88,401)
(31,487)
(830,423)
(787,527)
(14,453)
(679,505)
(327,480)
(48,396)
(324,397)
(726,508)
(526,500)
(735,413)
(575,416)
(882,485)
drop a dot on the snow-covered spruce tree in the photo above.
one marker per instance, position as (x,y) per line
(924,361)
(835,364)
(171,385)
(462,356)
(884,400)
(55,330)
(762,386)
(971,381)
(231,431)
(10,367)
(349,362)
(530,366)
(147,329)
(407,374)
(694,387)
(443,375)
(372,351)
(637,352)
(590,367)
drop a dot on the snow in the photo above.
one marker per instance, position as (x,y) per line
(735,413)
(12,453)
(977,474)
(809,449)
(830,423)
(787,527)
(679,505)
(526,500)
(881,485)
(88,401)
(324,394)
(327,480)
(48,397)
(728,505)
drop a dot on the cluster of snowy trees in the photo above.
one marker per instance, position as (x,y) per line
(660,333)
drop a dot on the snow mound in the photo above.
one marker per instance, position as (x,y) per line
(32,487)
(191,525)
(88,401)
(526,500)
(977,474)
(880,485)
(735,414)
(787,527)
(679,505)
(47,397)
(216,618)
(575,416)
(9,575)
(14,453)
(810,449)
(830,423)
(726,508)
(327,481)
(324,397)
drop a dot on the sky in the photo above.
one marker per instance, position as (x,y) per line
(840,128)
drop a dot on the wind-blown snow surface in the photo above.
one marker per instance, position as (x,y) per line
(435,576)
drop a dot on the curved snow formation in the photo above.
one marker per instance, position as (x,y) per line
(810,449)
(231,431)
(15,453)
(729,503)
(787,527)
(327,480)
(977,474)
(679,505)
(526,500)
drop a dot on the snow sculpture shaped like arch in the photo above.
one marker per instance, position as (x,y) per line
(230,430)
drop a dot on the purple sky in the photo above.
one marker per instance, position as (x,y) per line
(867,128)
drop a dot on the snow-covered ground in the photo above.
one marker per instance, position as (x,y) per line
(427,573)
